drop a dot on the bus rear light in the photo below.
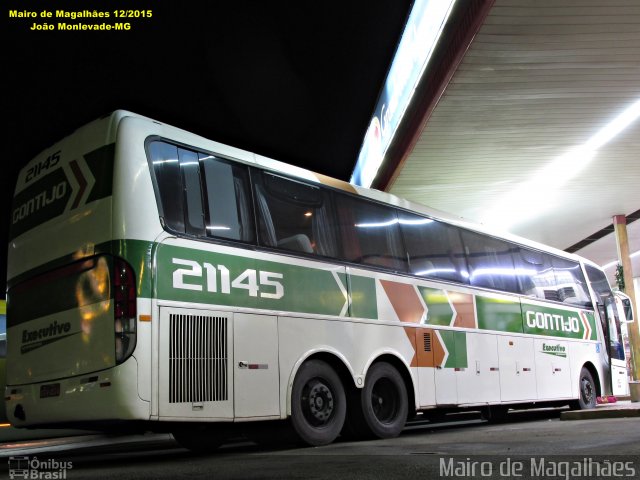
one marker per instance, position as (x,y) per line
(124,282)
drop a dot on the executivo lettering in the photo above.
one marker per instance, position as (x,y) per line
(33,339)
(557,350)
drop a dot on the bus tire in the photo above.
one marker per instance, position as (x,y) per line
(384,401)
(318,403)
(587,391)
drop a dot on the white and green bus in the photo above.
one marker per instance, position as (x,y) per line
(164,281)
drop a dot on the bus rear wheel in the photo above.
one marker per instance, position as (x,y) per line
(587,390)
(318,403)
(384,402)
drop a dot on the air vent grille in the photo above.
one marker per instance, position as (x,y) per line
(198,358)
(427,342)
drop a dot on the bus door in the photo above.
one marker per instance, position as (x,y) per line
(612,355)
(625,312)
(609,310)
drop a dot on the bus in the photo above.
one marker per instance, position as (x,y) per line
(163,281)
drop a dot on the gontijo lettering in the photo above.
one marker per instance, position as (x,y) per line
(42,199)
(549,321)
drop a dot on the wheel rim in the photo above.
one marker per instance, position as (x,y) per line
(587,391)
(317,401)
(384,400)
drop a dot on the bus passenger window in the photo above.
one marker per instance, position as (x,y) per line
(228,200)
(190,168)
(168,183)
(535,274)
(490,262)
(294,216)
(434,248)
(570,282)
(370,233)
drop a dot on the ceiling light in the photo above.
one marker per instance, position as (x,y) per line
(539,194)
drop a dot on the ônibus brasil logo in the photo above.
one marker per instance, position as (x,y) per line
(33,468)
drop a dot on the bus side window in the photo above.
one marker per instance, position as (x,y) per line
(169,191)
(434,248)
(570,282)
(294,216)
(490,262)
(227,199)
(190,169)
(370,233)
(535,274)
(616,343)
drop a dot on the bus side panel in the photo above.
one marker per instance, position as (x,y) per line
(355,344)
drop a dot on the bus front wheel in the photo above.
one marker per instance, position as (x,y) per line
(384,401)
(587,390)
(318,403)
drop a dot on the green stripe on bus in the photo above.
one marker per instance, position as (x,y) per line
(461,350)
(498,314)
(45,297)
(439,311)
(592,323)
(555,322)
(138,253)
(197,276)
(456,345)
(363,297)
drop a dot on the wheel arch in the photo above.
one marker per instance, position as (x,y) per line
(335,360)
(594,374)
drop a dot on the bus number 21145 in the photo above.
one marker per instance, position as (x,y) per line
(218,279)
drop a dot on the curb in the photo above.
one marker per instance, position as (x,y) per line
(601,413)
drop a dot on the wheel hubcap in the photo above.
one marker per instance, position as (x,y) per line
(317,402)
(587,391)
(384,400)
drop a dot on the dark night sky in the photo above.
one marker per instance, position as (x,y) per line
(296,81)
